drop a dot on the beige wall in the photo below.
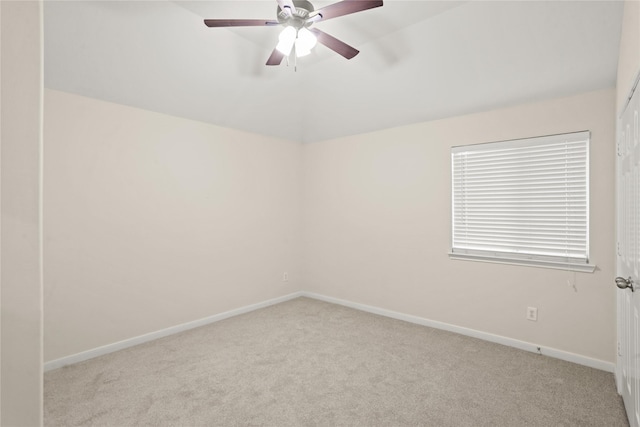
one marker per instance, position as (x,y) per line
(376,221)
(20,153)
(152,221)
(629,59)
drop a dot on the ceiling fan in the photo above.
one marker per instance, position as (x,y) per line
(297,17)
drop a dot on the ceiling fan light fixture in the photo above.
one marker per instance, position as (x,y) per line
(306,41)
(286,39)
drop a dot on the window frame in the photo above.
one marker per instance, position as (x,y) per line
(513,256)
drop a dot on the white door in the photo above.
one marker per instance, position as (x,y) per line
(628,280)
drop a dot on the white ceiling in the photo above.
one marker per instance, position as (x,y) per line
(419,60)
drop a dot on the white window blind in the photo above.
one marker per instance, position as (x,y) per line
(524,201)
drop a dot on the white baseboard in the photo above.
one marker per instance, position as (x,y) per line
(110,348)
(522,345)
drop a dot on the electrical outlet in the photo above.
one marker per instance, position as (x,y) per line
(532,313)
(285,277)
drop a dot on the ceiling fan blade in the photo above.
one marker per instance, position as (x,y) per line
(345,7)
(334,44)
(275,58)
(239,22)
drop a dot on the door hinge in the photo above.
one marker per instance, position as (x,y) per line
(619,349)
(618,248)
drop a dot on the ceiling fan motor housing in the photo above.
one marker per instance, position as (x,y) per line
(298,19)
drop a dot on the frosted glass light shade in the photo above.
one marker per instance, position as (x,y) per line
(305,42)
(286,39)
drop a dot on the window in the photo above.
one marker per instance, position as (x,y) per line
(524,201)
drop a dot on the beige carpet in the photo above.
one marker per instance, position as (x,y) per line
(309,363)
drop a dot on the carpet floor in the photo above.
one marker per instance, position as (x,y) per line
(309,363)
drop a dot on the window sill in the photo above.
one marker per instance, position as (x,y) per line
(584,268)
